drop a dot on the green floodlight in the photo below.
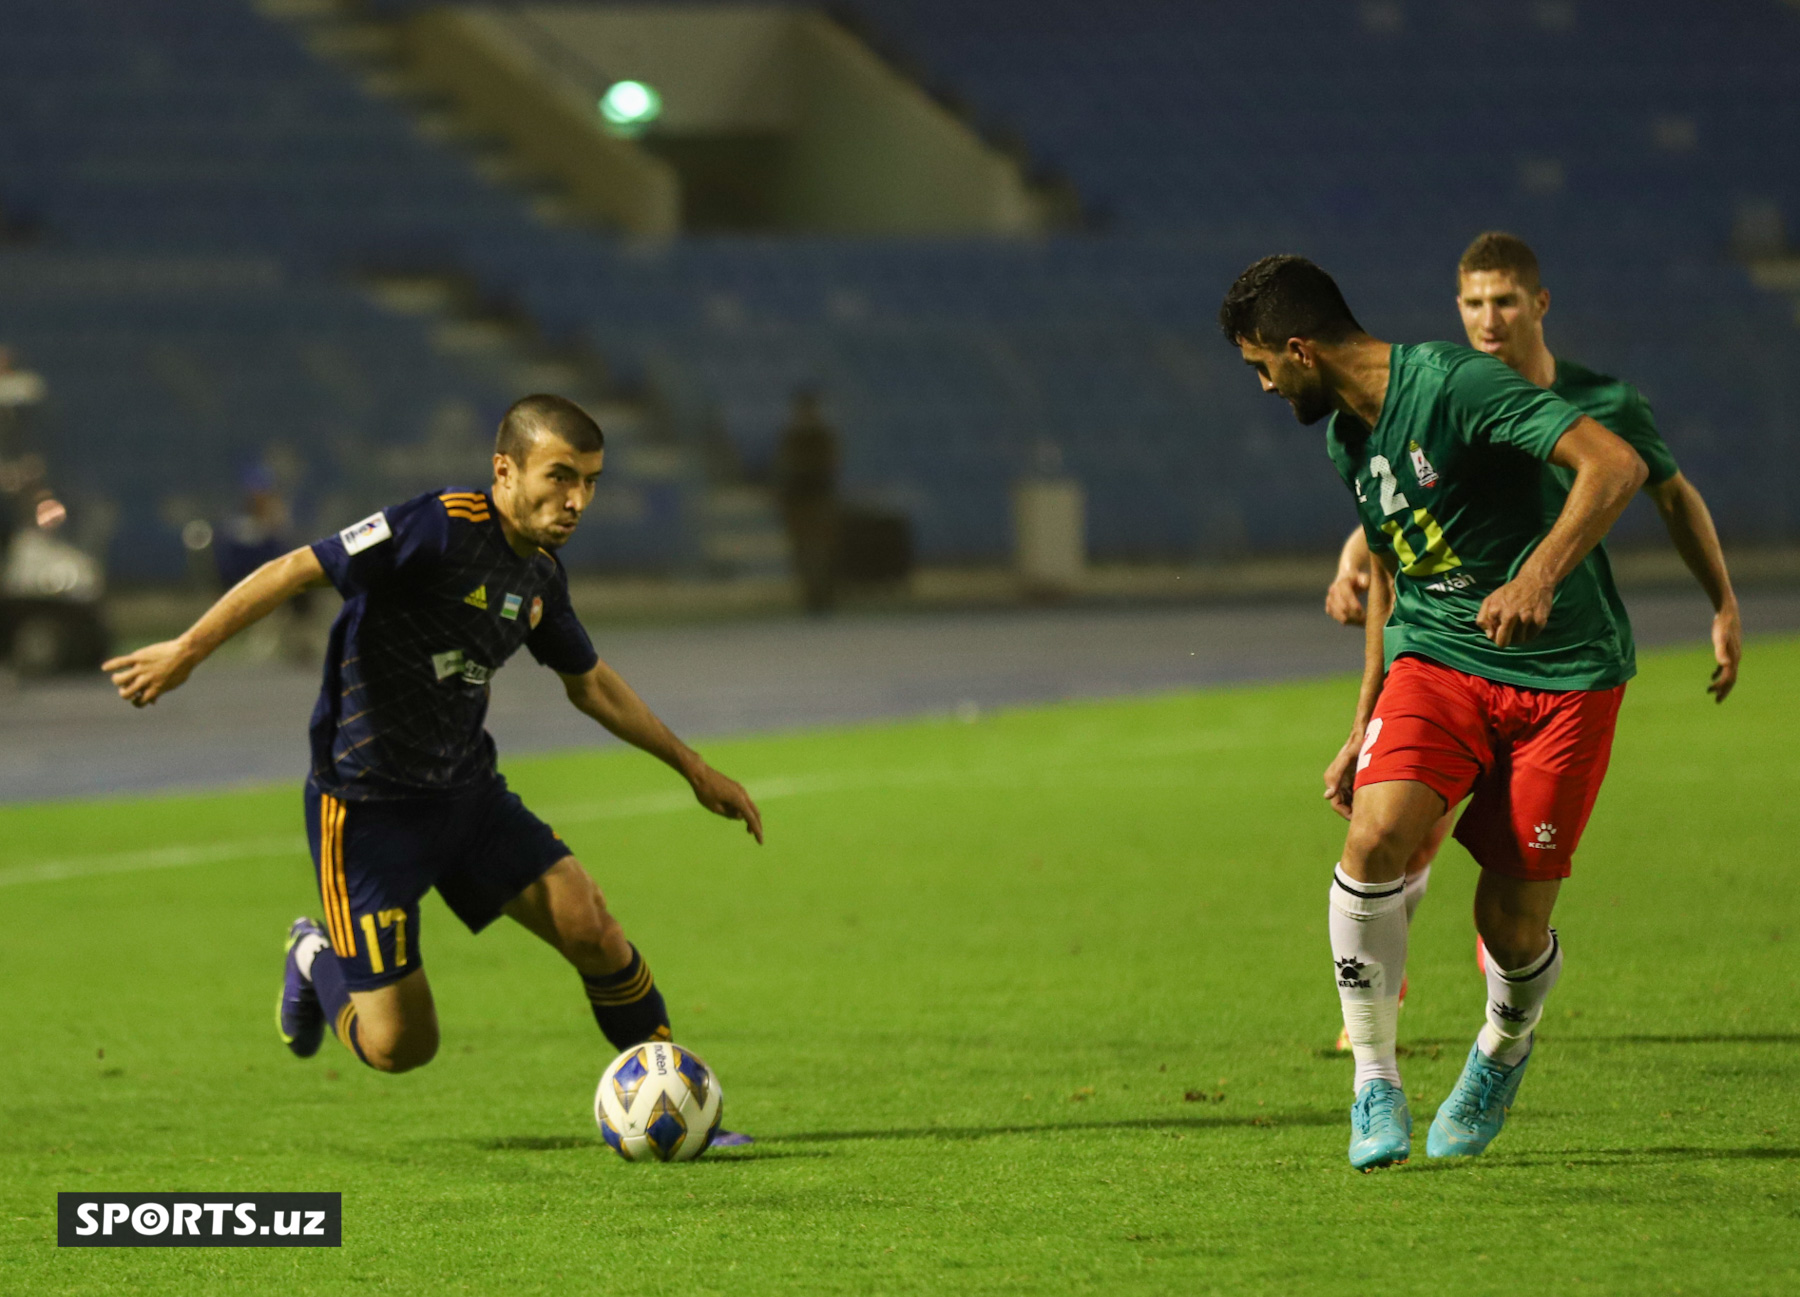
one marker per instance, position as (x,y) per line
(630,106)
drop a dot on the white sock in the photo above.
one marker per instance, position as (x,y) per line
(1368,943)
(1516,1002)
(306,950)
(1415,890)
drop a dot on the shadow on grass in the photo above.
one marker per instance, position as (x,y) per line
(1271,1119)
(560,1143)
(1604,1157)
(1625,1156)
(1768,1038)
(1432,1046)
(536,1143)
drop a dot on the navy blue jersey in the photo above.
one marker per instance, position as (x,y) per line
(435,601)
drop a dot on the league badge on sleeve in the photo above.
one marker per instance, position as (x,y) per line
(370,531)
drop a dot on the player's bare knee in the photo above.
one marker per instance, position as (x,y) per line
(400,1051)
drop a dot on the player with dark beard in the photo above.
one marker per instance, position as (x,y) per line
(1494,666)
(1502,299)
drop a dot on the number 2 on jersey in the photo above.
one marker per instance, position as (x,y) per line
(1438,556)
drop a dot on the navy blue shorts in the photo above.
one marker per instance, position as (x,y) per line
(376,860)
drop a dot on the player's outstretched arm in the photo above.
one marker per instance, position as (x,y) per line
(1608,473)
(1344,596)
(1340,775)
(603,694)
(152,671)
(1690,525)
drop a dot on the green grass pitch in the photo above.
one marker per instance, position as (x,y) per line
(1040,1003)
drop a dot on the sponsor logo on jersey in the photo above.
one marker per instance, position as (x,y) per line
(1422,468)
(477,598)
(1455,581)
(456,665)
(370,531)
(1546,838)
(537,612)
(509,607)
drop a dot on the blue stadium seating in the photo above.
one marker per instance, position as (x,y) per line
(1377,137)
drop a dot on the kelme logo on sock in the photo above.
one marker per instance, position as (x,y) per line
(1356,975)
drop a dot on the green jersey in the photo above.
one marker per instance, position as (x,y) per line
(1453,483)
(1622,409)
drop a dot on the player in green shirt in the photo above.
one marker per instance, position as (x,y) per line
(1493,667)
(1503,302)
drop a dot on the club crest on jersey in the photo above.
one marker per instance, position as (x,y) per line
(1422,468)
(537,612)
(455,664)
(370,531)
(477,598)
(509,607)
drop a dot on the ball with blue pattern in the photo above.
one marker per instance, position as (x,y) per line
(658,1102)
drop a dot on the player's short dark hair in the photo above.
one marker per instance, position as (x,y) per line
(1286,297)
(1503,253)
(531,416)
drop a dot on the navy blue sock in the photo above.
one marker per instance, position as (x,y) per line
(334,998)
(627,1005)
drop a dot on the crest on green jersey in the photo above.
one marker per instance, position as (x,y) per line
(1422,468)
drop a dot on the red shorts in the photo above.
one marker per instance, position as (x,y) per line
(1532,758)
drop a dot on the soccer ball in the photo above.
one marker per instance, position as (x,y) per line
(658,1102)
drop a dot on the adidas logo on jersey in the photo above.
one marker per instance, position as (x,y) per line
(477,598)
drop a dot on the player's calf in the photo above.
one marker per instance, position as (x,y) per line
(566,909)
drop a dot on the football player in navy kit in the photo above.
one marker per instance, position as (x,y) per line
(403,793)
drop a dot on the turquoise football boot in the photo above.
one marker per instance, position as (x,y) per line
(1380,1126)
(1476,1109)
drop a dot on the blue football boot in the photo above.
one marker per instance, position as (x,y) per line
(297,1014)
(1469,1119)
(1380,1126)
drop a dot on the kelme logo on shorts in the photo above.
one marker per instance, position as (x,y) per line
(1546,838)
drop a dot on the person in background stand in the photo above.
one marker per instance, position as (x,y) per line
(260,532)
(806,477)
